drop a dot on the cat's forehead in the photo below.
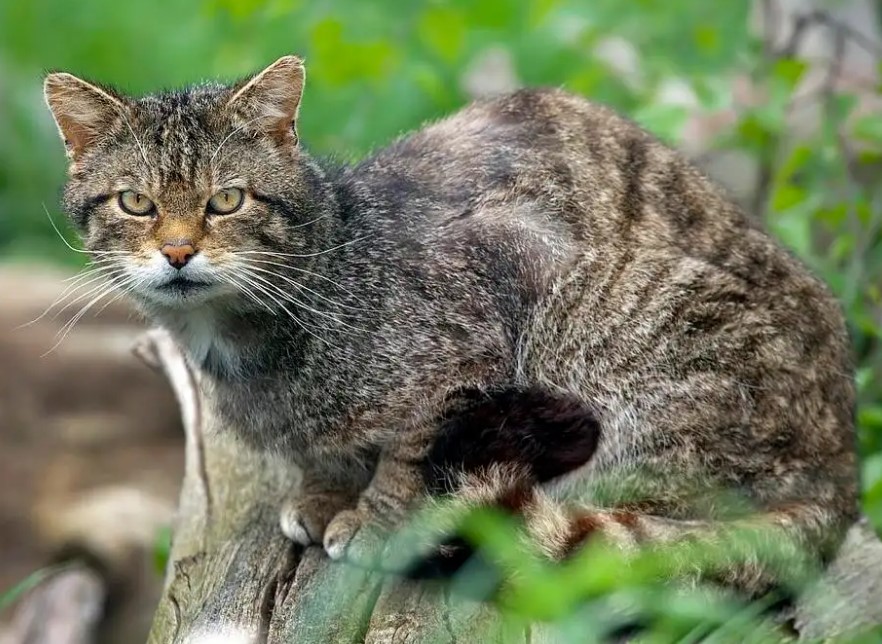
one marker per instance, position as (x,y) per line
(197,106)
(178,132)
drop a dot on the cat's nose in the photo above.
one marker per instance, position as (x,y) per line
(178,254)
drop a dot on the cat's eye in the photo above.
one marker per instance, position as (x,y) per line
(134,203)
(226,201)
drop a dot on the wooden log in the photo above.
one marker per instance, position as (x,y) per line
(233,577)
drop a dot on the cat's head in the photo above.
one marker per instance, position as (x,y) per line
(185,197)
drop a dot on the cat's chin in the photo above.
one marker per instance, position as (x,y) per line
(184,294)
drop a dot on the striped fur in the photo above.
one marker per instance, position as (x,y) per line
(531,240)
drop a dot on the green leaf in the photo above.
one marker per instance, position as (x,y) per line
(798,159)
(789,71)
(665,121)
(10,596)
(162,549)
(870,417)
(794,228)
(707,38)
(868,128)
(539,11)
(753,132)
(788,195)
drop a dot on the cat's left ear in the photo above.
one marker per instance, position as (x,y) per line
(270,101)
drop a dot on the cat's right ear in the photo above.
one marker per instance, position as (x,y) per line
(82,111)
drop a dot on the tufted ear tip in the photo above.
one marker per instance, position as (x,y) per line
(271,99)
(82,110)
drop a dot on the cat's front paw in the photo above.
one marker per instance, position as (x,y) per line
(304,519)
(355,537)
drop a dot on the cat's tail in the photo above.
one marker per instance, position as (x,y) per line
(495,449)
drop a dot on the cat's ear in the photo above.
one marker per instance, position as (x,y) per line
(269,102)
(82,111)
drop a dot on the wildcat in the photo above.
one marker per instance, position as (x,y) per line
(530,240)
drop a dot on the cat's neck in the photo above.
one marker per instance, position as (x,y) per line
(211,337)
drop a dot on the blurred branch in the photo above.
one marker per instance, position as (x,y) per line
(65,607)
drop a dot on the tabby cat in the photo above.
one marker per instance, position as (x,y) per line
(530,241)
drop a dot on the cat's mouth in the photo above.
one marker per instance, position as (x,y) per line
(183,286)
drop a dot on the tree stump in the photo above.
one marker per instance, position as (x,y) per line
(233,577)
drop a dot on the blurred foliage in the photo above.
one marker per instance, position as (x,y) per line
(378,68)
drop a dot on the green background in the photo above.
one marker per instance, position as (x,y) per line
(376,69)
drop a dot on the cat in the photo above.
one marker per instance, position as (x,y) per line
(534,239)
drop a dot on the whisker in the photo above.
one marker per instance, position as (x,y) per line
(124,289)
(300,286)
(82,296)
(90,276)
(297,320)
(239,287)
(315,254)
(230,135)
(295,301)
(88,269)
(77,250)
(66,329)
(135,136)
(307,272)
(311,221)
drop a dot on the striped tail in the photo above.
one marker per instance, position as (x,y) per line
(495,449)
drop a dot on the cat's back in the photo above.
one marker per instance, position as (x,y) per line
(530,143)
(566,158)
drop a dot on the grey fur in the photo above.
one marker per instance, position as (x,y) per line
(536,239)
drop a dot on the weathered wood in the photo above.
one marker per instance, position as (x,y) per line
(234,577)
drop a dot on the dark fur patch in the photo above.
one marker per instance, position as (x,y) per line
(544,435)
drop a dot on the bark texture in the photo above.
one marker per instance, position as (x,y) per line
(233,577)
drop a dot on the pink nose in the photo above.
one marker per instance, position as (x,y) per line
(178,254)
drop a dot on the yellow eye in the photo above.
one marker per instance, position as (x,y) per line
(226,201)
(135,203)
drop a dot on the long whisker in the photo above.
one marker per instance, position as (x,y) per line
(305,272)
(301,287)
(123,289)
(79,298)
(105,288)
(80,280)
(66,329)
(311,221)
(315,254)
(78,250)
(134,136)
(230,135)
(242,289)
(297,320)
(91,267)
(300,304)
